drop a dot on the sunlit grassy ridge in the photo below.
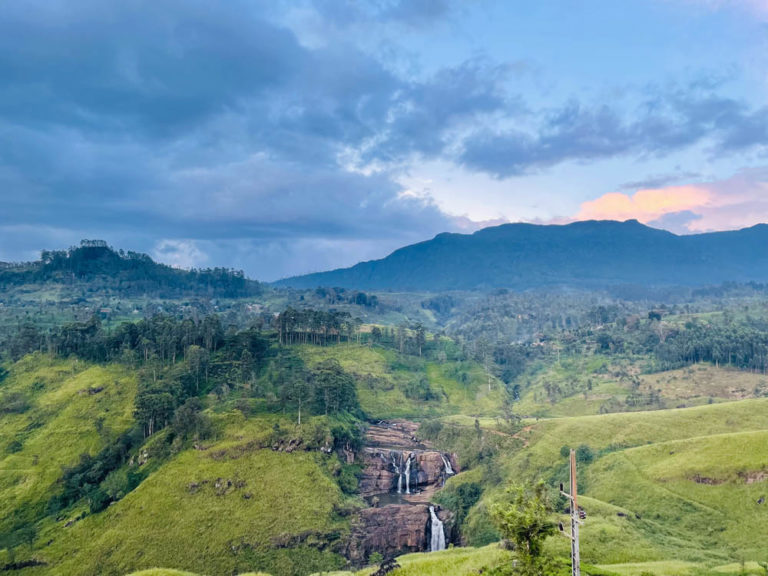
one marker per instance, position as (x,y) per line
(63,408)
(672,485)
(454,561)
(212,511)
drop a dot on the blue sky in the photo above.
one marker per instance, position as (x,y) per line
(290,137)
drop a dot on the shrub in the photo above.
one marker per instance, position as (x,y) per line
(584,454)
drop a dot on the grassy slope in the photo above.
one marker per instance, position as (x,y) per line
(641,493)
(651,520)
(383,375)
(224,509)
(591,383)
(58,426)
(165,522)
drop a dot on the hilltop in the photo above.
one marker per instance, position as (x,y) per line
(99,267)
(591,254)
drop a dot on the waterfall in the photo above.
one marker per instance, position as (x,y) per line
(438,536)
(447,463)
(397,465)
(408,474)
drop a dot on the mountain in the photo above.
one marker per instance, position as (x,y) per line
(100,267)
(590,254)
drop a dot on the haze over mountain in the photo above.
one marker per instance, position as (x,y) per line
(586,254)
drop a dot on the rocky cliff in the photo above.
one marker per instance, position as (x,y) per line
(394,530)
(400,475)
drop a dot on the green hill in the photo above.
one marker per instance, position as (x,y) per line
(670,485)
(179,444)
(592,254)
(95,266)
(51,412)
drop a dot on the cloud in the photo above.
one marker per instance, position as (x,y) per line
(187,130)
(644,205)
(175,128)
(737,202)
(180,253)
(674,119)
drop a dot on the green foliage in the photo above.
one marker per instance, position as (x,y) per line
(523,518)
(460,498)
(334,389)
(349,477)
(584,454)
(189,422)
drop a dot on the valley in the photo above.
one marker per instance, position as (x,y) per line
(299,432)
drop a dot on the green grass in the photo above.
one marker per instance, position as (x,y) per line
(665,485)
(383,377)
(454,561)
(590,385)
(212,511)
(57,426)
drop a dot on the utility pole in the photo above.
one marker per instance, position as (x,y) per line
(575,520)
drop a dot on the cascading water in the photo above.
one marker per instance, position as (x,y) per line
(447,463)
(408,474)
(438,536)
(398,468)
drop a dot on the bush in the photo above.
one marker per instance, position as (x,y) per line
(430,429)
(565,451)
(98,500)
(14,446)
(348,479)
(584,454)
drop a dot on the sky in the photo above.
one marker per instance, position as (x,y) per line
(287,137)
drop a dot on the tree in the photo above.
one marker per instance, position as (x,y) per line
(299,390)
(154,409)
(334,388)
(523,518)
(197,362)
(421,338)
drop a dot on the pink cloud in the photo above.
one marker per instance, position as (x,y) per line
(644,205)
(736,202)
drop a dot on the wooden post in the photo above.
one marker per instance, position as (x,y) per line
(575,520)
(575,561)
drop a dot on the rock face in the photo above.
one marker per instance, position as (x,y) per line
(393,530)
(403,471)
(390,531)
(389,446)
(382,467)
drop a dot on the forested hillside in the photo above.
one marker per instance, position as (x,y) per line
(101,268)
(591,255)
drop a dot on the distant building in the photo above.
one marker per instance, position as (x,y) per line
(93,244)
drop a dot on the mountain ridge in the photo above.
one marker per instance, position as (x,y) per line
(584,254)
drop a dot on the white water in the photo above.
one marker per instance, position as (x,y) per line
(397,466)
(408,474)
(448,469)
(438,536)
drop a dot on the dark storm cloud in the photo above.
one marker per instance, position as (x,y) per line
(672,121)
(151,121)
